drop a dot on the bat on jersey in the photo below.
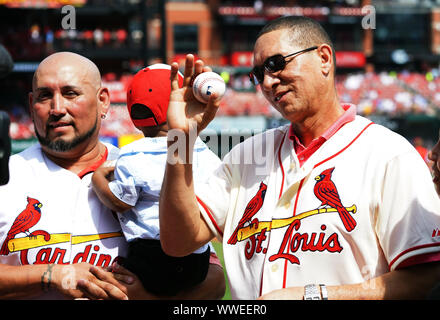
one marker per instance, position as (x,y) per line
(325,190)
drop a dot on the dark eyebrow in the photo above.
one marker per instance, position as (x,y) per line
(71,87)
(43,89)
(67,87)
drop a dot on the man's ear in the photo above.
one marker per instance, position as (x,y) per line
(326,54)
(104,100)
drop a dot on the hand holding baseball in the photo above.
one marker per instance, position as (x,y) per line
(185,111)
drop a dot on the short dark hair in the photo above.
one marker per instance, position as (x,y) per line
(305,31)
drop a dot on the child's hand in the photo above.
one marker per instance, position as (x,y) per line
(106,171)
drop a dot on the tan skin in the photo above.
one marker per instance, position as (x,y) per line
(296,86)
(66,101)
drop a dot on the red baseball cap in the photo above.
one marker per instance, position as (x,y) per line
(148,95)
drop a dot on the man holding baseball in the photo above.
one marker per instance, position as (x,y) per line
(331,206)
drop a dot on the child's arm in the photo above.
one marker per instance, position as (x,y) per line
(100,180)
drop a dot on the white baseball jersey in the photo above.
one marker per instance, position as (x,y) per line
(73,225)
(363,204)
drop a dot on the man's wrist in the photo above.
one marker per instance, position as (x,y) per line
(180,146)
(46,278)
(315,292)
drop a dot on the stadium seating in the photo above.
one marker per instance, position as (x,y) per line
(391,94)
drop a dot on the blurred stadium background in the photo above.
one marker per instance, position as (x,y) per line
(389,66)
(388,55)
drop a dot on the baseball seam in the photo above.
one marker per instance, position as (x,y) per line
(204,81)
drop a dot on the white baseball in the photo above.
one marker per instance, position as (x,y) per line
(207,83)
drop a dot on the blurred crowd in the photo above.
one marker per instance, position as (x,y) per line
(35,42)
(380,93)
(387,94)
(390,94)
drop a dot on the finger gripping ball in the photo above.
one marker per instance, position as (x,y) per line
(207,83)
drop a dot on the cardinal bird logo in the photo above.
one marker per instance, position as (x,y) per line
(24,221)
(251,209)
(325,190)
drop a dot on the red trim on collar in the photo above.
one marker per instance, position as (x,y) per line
(94,166)
(303,152)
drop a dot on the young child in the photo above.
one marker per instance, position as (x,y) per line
(134,192)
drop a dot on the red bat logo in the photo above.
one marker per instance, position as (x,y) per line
(24,221)
(251,209)
(325,190)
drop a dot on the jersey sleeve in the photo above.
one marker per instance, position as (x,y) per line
(205,163)
(409,213)
(213,197)
(214,259)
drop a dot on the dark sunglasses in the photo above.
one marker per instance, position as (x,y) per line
(273,64)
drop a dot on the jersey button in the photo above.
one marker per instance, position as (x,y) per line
(292,166)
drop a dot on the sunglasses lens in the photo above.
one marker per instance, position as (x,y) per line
(275,63)
(272,64)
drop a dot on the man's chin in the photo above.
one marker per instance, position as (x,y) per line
(59,144)
(63,144)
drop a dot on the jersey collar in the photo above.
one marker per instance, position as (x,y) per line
(303,152)
(94,166)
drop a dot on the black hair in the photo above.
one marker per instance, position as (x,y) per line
(305,32)
(140,111)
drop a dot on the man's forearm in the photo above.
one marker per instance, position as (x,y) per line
(25,281)
(179,212)
(405,284)
(408,284)
(178,209)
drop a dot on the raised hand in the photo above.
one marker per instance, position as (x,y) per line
(185,112)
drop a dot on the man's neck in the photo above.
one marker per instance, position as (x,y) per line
(313,127)
(79,159)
